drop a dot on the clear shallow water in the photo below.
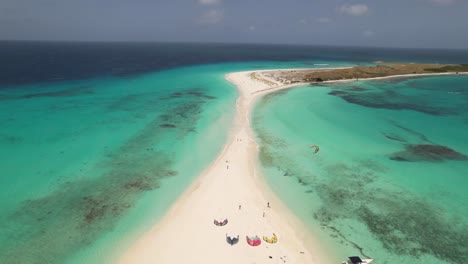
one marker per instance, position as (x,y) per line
(89,165)
(386,182)
(78,157)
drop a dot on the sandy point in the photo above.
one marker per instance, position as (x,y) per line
(232,188)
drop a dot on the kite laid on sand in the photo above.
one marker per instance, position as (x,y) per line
(232,240)
(271,240)
(254,241)
(220,223)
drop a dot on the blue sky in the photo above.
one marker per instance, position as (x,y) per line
(394,23)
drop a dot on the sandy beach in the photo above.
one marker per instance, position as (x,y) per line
(230,188)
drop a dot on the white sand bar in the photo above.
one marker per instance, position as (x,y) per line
(187,234)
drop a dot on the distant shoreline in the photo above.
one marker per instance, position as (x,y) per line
(279,80)
(382,70)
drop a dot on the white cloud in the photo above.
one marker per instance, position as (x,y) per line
(368,33)
(442,2)
(209,2)
(355,10)
(212,16)
(323,20)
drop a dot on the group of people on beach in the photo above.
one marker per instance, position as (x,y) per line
(268,205)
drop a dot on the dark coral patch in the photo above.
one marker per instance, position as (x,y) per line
(195,92)
(338,93)
(415,228)
(10,139)
(167,126)
(126,103)
(198,93)
(95,209)
(394,137)
(63,93)
(139,184)
(390,100)
(427,152)
(421,136)
(357,89)
(169,173)
(175,95)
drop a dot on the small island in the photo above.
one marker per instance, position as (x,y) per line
(362,72)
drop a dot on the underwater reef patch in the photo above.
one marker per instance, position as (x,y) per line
(63,93)
(415,228)
(394,137)
(126,103)
(167,125)
(52,227)
(9,139)
(404,224)
(194,92)
(199,93)
(421,136)
(357,89)
(390,100)
(426,152)
(176,95)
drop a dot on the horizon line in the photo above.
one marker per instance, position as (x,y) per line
(226,43)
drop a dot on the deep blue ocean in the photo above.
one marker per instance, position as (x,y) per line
(32,62)
(97,140)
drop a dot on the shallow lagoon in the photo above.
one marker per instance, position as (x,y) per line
(389,181)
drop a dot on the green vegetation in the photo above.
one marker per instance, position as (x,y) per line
(450,68)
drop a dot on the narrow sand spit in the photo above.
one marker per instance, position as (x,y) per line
(187,234)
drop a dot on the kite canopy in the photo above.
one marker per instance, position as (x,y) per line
(358,260)
(253,241)
(271,240)
(232,240)
(316,148)
(221,222)
(355,259)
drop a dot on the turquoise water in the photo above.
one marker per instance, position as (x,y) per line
(88,166)
(390,179)
(86,159)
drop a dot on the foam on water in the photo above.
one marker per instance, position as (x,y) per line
(389,181)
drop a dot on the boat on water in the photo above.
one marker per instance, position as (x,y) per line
(357,260)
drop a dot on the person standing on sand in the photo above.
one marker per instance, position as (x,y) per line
(268,204)
(240,206)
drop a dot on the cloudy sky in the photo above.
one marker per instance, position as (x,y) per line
(391,23)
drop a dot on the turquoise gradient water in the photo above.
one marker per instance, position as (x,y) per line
(88,166)
(387,182)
